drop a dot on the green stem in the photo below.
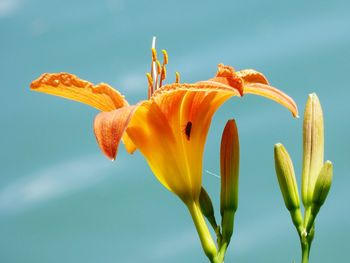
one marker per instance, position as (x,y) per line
(203,231)
(221,255)
(305,252)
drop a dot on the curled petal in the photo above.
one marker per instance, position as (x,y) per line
(102,96)
(273,94)
(226,75)
(109,128)
(252,76)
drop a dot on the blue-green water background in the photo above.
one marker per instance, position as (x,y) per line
(61,200)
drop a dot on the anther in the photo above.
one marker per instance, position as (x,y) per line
(165,57)
(150,79)
(163,76)
(158,67)
(154,54)
(150,85)
(177,77)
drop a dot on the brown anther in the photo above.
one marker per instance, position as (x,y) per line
(177,77)
(165,57)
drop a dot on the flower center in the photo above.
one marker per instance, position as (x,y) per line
(158,71)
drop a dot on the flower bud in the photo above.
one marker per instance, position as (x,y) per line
(207,207)
(323,184)
(229,169)
(286,177)
(288,184)
(313,147)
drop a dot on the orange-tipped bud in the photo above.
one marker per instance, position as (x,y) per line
(229,169)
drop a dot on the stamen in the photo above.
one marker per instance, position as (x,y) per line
(154,54)
(150,85)
(153,65)
(177,77)
(163,76)
(158,71)
(158,67)
(165,57)
(150,79)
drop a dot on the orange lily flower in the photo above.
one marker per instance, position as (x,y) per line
(169,128)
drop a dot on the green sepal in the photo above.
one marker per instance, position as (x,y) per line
(207,208)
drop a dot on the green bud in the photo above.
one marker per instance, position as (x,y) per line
(229,170)
(227,225)
(286,177)
(207,207)
(313,147)
(323,184)
(288,184)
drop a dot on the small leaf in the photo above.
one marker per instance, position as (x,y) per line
(207,208)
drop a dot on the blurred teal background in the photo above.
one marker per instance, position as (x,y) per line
(61,200)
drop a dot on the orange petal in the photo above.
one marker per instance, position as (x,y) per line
(253,76)
(109,128)
(227,75)
(102,96)
(170,131)
(128,143)
(149,129)
(273,94)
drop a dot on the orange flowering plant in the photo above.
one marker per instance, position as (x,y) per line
(169,128)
